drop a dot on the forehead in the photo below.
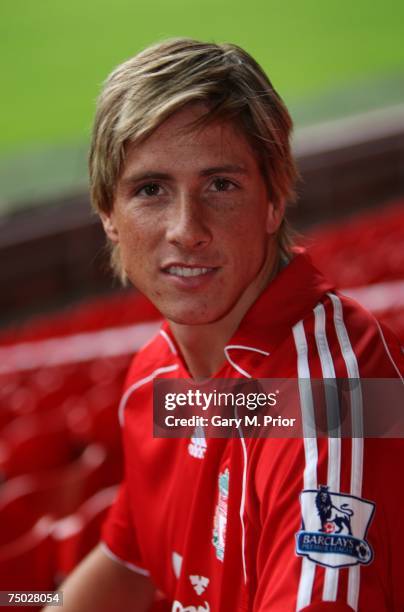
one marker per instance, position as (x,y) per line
(179,143)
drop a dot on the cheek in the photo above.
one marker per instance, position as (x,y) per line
(130,245)
(248,232)
(248,242)
(249,214)
(136,237)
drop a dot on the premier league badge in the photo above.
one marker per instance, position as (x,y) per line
(334,527)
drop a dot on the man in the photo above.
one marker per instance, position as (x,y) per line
(191,170)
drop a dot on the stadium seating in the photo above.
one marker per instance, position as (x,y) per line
(26,563)
(33,443)
(93,417)
(364,257)
(56,493)
(362,251)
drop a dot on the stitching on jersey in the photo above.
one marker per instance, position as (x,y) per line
(135,568)
(169,341)
(388,351)
(238,368)
(243,445)
(138,384)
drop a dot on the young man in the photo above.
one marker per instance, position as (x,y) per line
(191,170)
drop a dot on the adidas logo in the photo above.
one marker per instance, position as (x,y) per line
(197,446)
(199,583)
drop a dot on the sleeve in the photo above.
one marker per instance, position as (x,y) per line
(328,507)
(323,548)
(118,537)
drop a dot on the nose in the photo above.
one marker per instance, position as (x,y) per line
(187,226)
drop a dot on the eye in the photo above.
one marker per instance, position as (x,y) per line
(222,184)
(149,190)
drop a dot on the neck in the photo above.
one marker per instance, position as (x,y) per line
(202,346)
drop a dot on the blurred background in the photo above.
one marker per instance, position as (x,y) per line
(67,330)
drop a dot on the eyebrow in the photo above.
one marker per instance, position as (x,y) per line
(143,176)
(152,175)
(229,168)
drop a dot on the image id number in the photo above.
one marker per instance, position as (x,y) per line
(29,598)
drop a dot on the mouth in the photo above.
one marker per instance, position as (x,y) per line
(187,271)
(187,277)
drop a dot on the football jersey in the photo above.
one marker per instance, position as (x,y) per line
(267,524)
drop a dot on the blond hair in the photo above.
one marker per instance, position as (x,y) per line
(146,89)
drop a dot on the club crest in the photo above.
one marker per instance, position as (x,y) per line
(334,527)
(220,518)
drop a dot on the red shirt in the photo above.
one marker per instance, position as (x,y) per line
(267,524)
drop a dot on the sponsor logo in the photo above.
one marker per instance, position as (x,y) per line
(178,607)
(220,518)
(199,583)
(334,527)
(197,446)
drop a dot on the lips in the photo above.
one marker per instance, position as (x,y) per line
(187,271)
(182,270)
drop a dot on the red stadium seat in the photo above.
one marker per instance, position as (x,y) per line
(363,250)
(55,493)
(95,417)
(126,308)
(28,562)
(364,257)
(34,443)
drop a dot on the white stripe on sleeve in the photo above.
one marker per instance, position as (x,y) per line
(308,569)
(357,429)
(330,588)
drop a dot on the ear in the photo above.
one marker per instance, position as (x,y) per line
(276,212)
(109,226)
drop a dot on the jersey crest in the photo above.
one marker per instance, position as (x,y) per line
(334,527)
(220,518)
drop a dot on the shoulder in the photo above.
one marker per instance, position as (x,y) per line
(156,359)
(348,340)
(153,358)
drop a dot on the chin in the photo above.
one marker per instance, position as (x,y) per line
(187,317)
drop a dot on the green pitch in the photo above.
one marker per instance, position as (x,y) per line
(55,54)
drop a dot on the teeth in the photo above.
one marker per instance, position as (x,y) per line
(179,271)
